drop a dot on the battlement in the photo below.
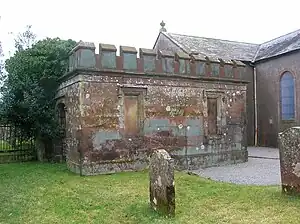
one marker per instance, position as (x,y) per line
(83,56)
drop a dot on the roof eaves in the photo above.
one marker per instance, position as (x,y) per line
(275,56)
(284,35)
(270,41)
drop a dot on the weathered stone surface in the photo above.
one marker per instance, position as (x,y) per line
(126,106)
(289,151)
(162,185)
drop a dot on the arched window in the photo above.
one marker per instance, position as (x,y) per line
(287,88)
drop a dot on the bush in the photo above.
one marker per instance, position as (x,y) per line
(5,145)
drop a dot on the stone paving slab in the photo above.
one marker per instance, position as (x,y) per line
(257,171)
(263,152)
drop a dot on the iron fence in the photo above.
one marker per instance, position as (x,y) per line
(15,145)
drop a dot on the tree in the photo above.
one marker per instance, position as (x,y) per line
(25,39)
(32,80)
(1,61)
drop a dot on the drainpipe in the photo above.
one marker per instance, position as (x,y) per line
(255,105)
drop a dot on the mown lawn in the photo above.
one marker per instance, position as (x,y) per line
(48,193)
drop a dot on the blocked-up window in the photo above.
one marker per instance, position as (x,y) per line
(131,114)
(133,102)
(287,90)
(212,110)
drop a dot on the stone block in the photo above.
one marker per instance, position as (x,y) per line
(162,186)
(87,59)
(183,60)
(289,154)
(228,70)
(108,56)
(200,68)
(215,69)
(200,62)
(149,56)
(167,58)
(129,57)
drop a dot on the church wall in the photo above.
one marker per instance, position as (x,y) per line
(268,96)
(164,43)
(129,106)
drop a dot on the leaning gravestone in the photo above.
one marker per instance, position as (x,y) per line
(289,151)
(162,187)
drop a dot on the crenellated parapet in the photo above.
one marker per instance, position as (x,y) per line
(147,61)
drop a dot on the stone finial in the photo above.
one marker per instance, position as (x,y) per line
(162,29)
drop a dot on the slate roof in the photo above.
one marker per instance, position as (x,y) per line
(226,49)
(279,45)
(215,48)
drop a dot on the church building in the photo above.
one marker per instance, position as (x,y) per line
(272,69)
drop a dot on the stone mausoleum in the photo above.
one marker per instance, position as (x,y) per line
(117,109)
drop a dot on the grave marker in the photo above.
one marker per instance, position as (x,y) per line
(289,152)
(162,186)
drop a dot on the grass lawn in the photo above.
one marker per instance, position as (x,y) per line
(48,193)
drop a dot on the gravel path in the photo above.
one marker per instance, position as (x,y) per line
(257,171)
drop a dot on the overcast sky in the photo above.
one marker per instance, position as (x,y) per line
(136,23)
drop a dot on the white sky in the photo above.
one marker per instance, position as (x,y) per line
(136,22)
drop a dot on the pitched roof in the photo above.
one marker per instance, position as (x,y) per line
(226,49)
(215,47)
(280,45)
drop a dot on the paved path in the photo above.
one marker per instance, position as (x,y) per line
(263,168)
(263,152)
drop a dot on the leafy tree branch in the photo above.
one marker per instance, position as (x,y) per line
(31,83)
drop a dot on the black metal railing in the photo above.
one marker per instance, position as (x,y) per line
(15,145)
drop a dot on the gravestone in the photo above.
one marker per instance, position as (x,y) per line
(162,187)
(289,153)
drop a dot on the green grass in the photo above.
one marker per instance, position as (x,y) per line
(48,193)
